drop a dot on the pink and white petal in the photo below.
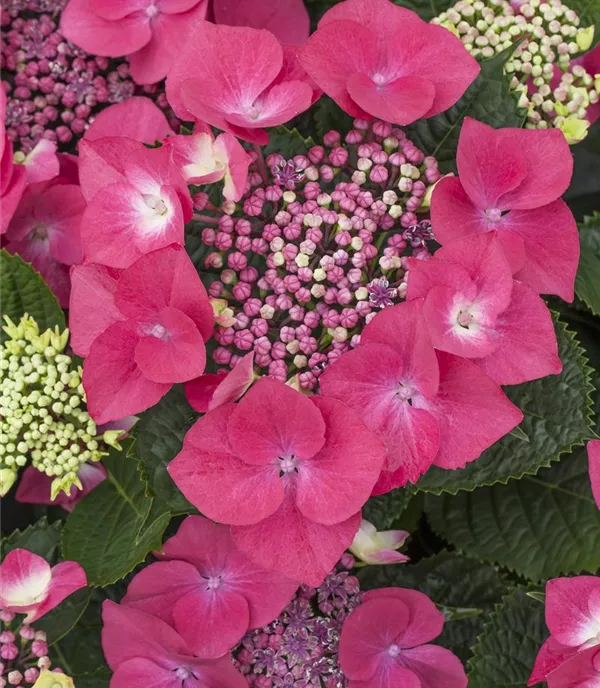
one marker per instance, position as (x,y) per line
(60,208)
(67,578)
(386,556)
(337,481)
(582,670)
(526,346)
(114,384)
(137,118)
(98,36)
(217,481)
(570,616)
(550,657)
(199,392)
(287,19)
(25,578)
(551,244)
(144,673)
(471,410)
(368,632)
(435,667)
(92,305)
(42,163)
(311,550)
(274,421)
(174,353)
(593,451)
(211,621)
(229,148)
(102,162)
(425,621)
(235,384)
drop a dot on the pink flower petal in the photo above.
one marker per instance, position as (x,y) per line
(337,481)
(210,391)
(145,673)
(117,9)
(311,549)
(593,450)
(435,666)
(92,306)
(581,671)
(287,19)
(114,384)
(216,481)
(570,614)
(274,421)
(25,579)
(42,163)
(238,161)
(12,191)
(199,392)
(60,209)
(102,162)
(551,656)
(67,577)
(137,118)
(471,410)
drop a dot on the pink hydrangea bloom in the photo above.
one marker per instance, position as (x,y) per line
(573,619)
(136,200)
(581,671)
(231,77)
(282,468)
(475,309)
(288,20)
(211,390)
(145,652)
(149,32)
(510,182)
(29,585)
(427,408)
(141,330)
(382,644)
(13,178)
(376,59)
(35,487)
(202,159)
(136,118)
(593,449)
(208,590)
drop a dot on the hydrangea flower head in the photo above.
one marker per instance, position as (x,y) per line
(272,466)
(29,585)
(379,60)
(382,644)
(509,182)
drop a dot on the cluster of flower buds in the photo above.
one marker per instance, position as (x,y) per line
(315,248)
(554,90)
(23,652)
(300,648)
(53,88)
(42,409)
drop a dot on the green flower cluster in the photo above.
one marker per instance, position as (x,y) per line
(555,92)
(42,409)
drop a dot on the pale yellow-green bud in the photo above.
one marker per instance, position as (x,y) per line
(575,130)
(7,480)
(64,483)
(53,679)
(584,38)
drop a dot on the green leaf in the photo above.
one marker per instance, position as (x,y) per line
(505,653)
(111,531)
(58,622)
(41,538)
(159,438)
(587,284)
(557,416)
(488,99)
(584,190)
(384,510)
(426,9)
(589,14)
(287,142)
(540,526)
(24,291)
(465,589)
(328,115)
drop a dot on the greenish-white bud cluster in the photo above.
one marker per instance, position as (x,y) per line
(555,92)
(42,408)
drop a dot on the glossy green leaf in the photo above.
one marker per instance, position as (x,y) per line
(587,284)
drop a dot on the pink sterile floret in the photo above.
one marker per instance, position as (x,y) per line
(145,652)
(141,330)
(201,159)
(150,32)
(42,163)
(581,671)
(573,619)
(29,585)
(475,309)
(382,643)
(282,468)
(136,200)
(229,76)
(426,407)
(379,60)
(208,589)
(510,182)
(212,390)
(136,118)
(593,450)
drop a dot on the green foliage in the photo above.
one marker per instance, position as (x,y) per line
(58,622)
(385,510)
(327,115)
(114,527)
(41,538)
(24,291)
(505,653)
(540,526)
(557,416)
(589,14)
(584,191)
(287,142)
(488,100)
(160,434)
(464,589)
(587,284)
(426,9)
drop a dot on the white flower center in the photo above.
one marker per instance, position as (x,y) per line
(393,650)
